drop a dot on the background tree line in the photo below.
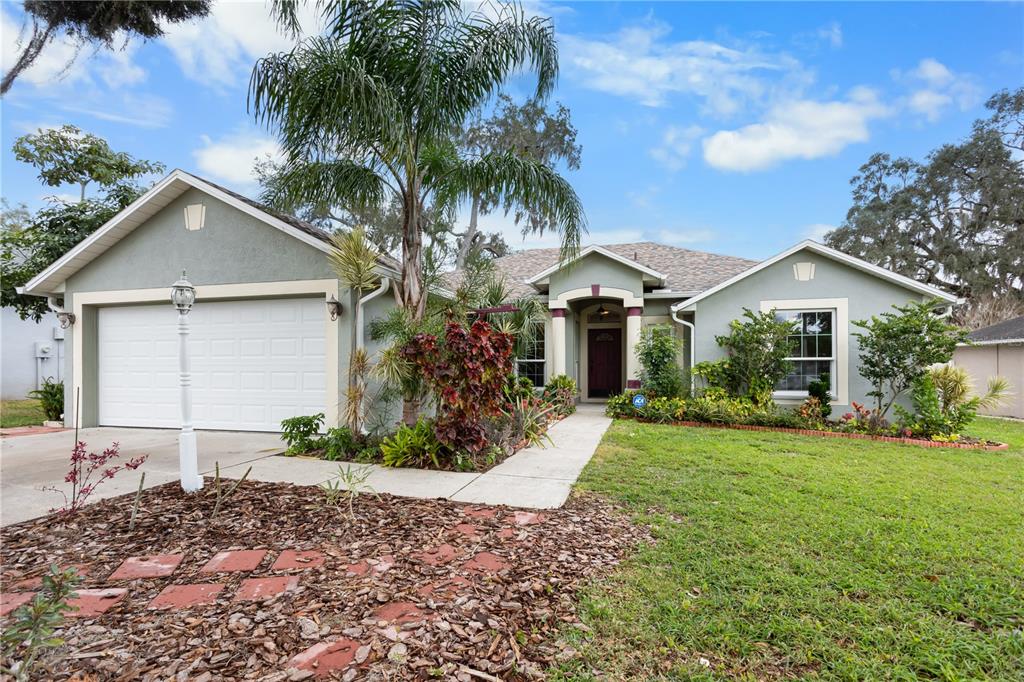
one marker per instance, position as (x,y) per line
(955,219)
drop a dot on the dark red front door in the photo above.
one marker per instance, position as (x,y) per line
(604,357)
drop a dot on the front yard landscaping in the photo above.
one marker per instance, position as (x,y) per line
(782,556)
(283,585)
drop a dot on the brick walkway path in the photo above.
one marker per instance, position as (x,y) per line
(285,573)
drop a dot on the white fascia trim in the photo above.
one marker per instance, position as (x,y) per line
(823,250)
(98,234)
(594,248)
(990,342)
(193,181)
(840,333)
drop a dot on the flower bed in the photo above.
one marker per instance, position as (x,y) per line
(966,443)
(718,410)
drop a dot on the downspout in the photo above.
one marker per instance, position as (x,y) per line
(382,289)
(689,325)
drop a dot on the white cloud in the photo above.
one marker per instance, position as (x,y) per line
(639,62)
(817,231)
(675,146)
(832,33)
(144,111)
(119,70)
(231,158)
(934,87)
(221,49)
(798,129)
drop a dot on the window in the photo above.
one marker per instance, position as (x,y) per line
(530,363)
(813,346)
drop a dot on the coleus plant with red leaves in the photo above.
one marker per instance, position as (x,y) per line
(467,373)
(85,466)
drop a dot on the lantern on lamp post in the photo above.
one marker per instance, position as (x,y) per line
(183,295)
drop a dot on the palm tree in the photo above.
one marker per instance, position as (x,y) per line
(369,111)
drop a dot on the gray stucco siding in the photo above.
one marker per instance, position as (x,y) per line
(595,269)
(866,295)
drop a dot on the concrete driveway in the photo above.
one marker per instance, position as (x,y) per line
(28,463)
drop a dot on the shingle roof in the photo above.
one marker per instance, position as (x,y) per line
(685,270)
(1002,331)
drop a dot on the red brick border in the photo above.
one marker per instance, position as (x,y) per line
(834,434)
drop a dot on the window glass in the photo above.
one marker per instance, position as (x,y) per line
(811,347)
(530,363)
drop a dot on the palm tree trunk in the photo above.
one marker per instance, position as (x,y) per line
(470,236)
(413,296)
(354,425)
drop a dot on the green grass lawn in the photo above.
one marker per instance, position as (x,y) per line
(782,556)
(21,413)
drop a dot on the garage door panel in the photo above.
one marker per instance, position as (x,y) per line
(254,363)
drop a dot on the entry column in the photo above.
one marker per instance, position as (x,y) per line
(557,341)
(633,317)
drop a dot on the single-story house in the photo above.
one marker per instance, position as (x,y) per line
(267,344)
(997,350)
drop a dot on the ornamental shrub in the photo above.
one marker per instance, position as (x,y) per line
(821,390)
(896,349)
(412,446)
(300,433)
(757,348)
(658,352)
(51,398)
(467,373)
(560,392)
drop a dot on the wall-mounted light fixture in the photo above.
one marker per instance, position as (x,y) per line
(65,319)
(195,217)
(804,272)
(333,307)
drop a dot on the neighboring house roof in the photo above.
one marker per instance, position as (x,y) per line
(159,196)
(685,272)
(1008,331)
(823,250)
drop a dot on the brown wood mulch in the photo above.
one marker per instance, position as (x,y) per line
(487,624)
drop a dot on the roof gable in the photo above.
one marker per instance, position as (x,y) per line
(649,273)
(149,204)
(828,252)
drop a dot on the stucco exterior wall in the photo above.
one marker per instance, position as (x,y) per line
(1004,360)
(865,295)
(595,269)
(232,248)
(20,371)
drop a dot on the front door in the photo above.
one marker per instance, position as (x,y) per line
(604,356)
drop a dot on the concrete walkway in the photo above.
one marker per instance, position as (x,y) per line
(537,477)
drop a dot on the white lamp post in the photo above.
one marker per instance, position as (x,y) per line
(183,295)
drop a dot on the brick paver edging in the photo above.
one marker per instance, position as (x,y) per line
(834,434)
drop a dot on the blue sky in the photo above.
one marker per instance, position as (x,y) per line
(726,127)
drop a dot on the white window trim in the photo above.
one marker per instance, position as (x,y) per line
(543,361)
(840,340)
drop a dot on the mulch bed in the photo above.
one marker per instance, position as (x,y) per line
(408,589)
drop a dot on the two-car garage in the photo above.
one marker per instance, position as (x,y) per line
(254,363)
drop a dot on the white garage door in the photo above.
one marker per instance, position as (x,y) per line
(254,363)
